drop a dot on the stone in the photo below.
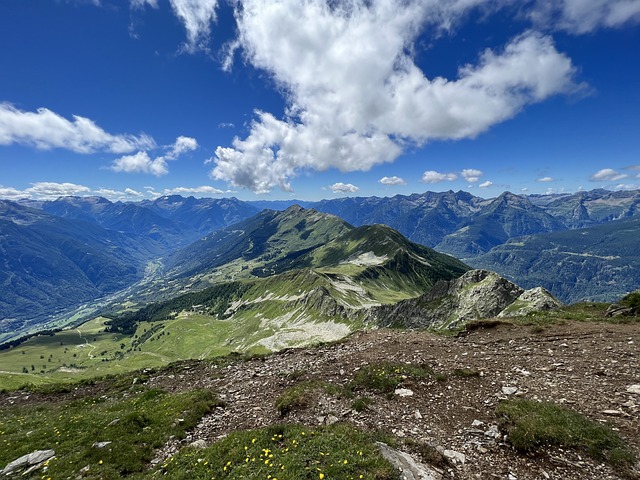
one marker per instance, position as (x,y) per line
(30,459)
(509,390)
(417,415)
(455,457)
(612,412)
(493,432)
(331,419)
(477,423)
(403,392)
(100,444)
(633,389)
(198,444)
(411,469)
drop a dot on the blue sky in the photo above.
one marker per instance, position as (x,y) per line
(277,99)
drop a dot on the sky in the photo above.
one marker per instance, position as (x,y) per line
(313,99)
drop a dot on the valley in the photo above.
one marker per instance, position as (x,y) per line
(294,320)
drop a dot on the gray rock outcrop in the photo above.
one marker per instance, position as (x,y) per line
(29,461)
(475,295)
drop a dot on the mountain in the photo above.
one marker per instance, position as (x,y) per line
(464,225)
(262,240)
(49,263)
(477,294)
(279,204)
(423,218)
(598,263)
(201,215)
(173,221)
(293,277)
(584,209)
(273,242)
(121,217)
(505,217)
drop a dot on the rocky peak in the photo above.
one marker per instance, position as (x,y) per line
(476,294)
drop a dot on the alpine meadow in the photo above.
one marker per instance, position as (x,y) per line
(320,239)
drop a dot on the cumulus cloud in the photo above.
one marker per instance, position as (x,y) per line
(545,179)
(197,17)
(392,181)
(44,191)
(584,16)
(356,99)
(431,176)
(471,175)
(45,130)
(343,188)
(486,184)
(141,162)
(607,175)
(181,145)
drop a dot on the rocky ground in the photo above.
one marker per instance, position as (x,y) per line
(447,419)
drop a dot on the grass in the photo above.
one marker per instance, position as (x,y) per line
(532,425)
(302,394)
(361,404)
(285,452)
(385,377)
(135,423)
(465,373)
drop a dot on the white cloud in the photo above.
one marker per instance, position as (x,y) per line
(10,193)
(133,193)
(545,179)
(584,16)
(343,188)
(524,189)
(471,175)
(140,163)
(431,176)
(392,181)
(181,145)
(607,175)
(627,186)
(44,191)
(205,189)
(197,17)
(114,195)
(356,99)
(486,184)
(45,129)
(143,3)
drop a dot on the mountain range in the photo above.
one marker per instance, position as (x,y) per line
(61,254)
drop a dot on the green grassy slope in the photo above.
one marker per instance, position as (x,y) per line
(599,263)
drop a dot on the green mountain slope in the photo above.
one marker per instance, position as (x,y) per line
(285,297)
(48,264)
(597,263)
(506,217)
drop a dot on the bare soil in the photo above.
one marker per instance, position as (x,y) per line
(585,366)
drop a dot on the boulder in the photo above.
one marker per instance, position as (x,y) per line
(32,459)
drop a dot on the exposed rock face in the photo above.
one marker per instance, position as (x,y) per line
(476,294)
(534,300)
(30,461)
